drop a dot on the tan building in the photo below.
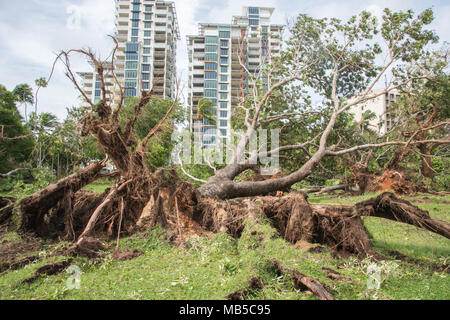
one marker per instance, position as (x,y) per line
(382,106)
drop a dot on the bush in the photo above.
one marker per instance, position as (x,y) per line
(20,186)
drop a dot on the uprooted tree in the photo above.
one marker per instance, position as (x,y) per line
(337,60)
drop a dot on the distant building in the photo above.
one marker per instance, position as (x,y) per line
(147,32)
(382,106)
(220,58)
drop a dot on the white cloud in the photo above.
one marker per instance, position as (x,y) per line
(29,41)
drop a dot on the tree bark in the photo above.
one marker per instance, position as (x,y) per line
(388,206)
(36,206)
(427,165)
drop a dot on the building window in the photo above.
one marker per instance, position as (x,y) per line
(146,50)
(211,39)
(131,64)
(148,16)
(223,52)
(147,25)
(223,87)
(210,93)
(253,22)
(135,23)
(224,69)
(223,123)
(253,10)
(132,47)
(146,76)
(134,39)
(210,66)
(223,105)
(146,85)
(224,43)
(131,92)
(130,74)
(210,84)
(224,78)
(147,33)
(136,7)
(211,48)
(224,34)
(135,16)
(145,67)
(223,96)
(211,57)
(132,56)
(145,59)
(147,42)
(223,61)
(210,75)
(98,93)
(223,114)
(148,8)
(130,84)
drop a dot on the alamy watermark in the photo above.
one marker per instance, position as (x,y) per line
(74,281)
(206,148)
(73,17)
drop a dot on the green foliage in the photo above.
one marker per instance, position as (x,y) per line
(159,147)
(19,186)
(23,93)
(12,152)
(205,110)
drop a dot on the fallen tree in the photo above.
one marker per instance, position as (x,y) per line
(142,199)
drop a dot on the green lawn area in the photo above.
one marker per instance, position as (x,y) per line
(211,268)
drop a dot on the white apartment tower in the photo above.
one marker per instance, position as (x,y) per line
(383,106)
(147,32)
(220,60)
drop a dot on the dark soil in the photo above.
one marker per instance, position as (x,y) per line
(124,255)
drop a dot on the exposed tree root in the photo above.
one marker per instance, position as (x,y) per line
(389,207)
(174,204)
(6,208)
(18,264)
(49,269)
(334,275)
(35,207)
(254,284)
(303,282)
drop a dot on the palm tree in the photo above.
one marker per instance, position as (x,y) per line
(40,83)
(24,94)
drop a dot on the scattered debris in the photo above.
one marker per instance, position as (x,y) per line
(303,282)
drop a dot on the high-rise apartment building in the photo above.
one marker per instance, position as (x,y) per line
(221,58)
(383,106)
(147,32)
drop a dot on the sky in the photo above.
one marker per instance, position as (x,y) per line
(33,31)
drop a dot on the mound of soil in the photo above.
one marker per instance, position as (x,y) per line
(399,182)
(124,255)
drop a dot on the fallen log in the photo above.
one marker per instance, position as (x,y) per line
(303,282)
(388,206)
(34,208)
(6,208)
(332,188)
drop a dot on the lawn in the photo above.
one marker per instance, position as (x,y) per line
(212,268)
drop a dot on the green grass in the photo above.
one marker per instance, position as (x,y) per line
(211,268)
(99,186)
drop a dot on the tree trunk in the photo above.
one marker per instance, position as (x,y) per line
(427,165)
(35,207)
